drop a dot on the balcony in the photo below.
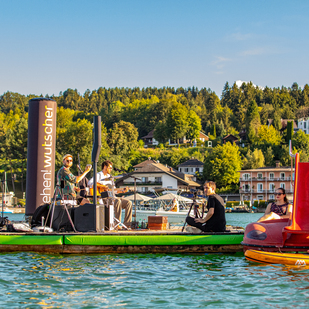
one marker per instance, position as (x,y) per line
(255,191)
(148,183)
(264,179)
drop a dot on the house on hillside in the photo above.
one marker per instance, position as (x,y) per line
(191,167)
(303,124)
(261,183)
(284,123)
(151,175)
(150,140)
(230,138)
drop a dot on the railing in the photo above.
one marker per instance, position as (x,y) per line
(262,191)
(148,183)
(265,179)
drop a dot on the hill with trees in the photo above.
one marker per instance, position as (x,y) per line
(129,114)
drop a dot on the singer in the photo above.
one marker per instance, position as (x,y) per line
(120,203)
(65,175)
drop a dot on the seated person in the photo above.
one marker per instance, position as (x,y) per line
(69,180)
(279,209)
(174,206)
(119,203)
(215,218)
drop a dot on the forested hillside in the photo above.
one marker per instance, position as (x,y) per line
(129,114)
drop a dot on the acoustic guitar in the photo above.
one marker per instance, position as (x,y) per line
(104,188)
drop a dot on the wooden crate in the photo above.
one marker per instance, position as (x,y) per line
(157,219)
(157,226)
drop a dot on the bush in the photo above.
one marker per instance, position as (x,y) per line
(22,202)
(262,204)
(231,203)
(247,203)
(256,204)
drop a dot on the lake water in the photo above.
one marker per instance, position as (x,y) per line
(32,280)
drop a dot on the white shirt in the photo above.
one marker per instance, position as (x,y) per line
(100,180)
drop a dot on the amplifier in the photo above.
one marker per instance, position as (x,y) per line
(89,218)
(61,220)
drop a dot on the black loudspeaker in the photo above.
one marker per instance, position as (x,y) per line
(61,220)
(89,218)
(108,217)
(96,148)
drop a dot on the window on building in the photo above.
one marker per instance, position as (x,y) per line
(260,197)
(259,187)
(180,169)
(305,125)
(144,179)
(191,169)
(271,187)
(197,169)
(271,197)
(144,189)
(158,179)
(282,185)
(271,175)
(186,169)
(246,176)
(259,175)
(282,175)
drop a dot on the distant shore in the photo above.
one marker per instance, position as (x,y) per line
(16,210)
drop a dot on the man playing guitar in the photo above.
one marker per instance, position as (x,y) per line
(104,183)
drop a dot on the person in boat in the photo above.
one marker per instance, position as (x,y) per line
(64,174)
(104,183)
(175,205)
(215,218)
(279,209)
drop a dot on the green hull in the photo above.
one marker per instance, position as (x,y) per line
(121,243)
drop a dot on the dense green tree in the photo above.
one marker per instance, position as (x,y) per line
(253,159)
(177,123)
(160,133)
(300,142)
(122,139)
(194,126)
(223,164)
(290,130)
(268,135)
(269,156)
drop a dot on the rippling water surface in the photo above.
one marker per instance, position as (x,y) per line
(31,280)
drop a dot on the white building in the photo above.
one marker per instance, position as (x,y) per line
(303,124)
(191,167)
(152,175)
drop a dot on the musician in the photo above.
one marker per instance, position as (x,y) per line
(64,174)
(120,203)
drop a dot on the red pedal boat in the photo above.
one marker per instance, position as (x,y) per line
(285,234)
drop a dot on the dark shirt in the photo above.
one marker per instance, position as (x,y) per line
(217,222)
(279,209)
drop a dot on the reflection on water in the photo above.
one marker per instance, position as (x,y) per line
(32,280)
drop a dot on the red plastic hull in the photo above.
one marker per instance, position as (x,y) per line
(267,236)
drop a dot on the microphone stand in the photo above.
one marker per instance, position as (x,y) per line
(135,223)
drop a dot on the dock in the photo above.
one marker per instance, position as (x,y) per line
(122,241)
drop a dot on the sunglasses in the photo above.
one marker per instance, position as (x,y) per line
(69,160)
(279,193)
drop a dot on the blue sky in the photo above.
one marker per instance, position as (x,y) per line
(50,46)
